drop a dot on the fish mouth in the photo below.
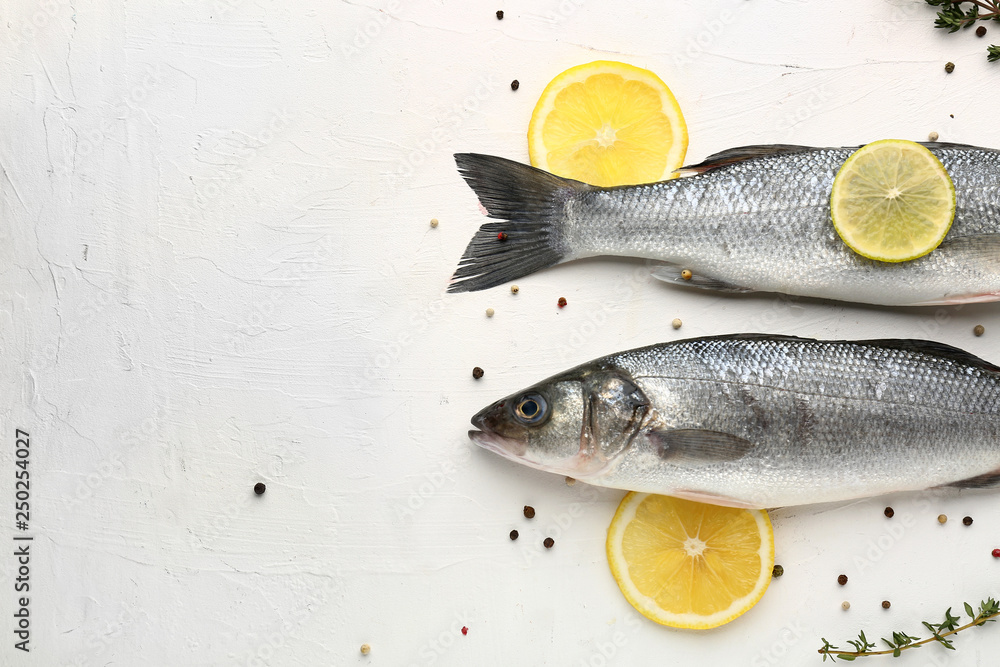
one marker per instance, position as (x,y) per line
(509,448)
(487,437)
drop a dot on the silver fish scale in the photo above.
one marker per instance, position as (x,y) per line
(828,420)
(764,224)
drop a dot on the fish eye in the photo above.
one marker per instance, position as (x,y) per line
(530,409)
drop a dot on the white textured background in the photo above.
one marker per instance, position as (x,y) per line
(216,268)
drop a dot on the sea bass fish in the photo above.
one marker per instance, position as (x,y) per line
(758,421)
(755,218)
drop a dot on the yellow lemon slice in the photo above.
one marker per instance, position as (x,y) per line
(608,123)
(687,564)
(892,201)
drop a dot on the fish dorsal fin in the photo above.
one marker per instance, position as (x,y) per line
(934,349)
(947,145)
(734,155)
(928,347)
(741,153)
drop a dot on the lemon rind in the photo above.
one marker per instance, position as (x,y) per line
(850,240)
(546,102)
(648,607)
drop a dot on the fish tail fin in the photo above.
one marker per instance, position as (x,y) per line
(531,203)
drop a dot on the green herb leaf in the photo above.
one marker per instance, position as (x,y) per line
(953,17)
(942,633)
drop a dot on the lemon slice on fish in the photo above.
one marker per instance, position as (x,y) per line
(892,201)
(608,123)
(687,564)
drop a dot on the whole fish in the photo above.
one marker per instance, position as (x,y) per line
(755,218)
(758,421)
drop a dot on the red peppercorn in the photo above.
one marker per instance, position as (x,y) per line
(996,553)
(502,236)
(465,630)
(562,302)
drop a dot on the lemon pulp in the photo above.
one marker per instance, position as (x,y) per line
(687,564)
(892,201)
(608,123)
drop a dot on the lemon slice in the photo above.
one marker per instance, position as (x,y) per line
(892,201)
(608,123)
(687,564)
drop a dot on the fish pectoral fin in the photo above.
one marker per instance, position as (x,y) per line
(674,274)
(985,481)
(693,445)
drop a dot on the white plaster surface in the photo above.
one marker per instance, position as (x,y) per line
(216,268)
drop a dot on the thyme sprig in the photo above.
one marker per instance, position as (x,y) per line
(989,610)
(953,17)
